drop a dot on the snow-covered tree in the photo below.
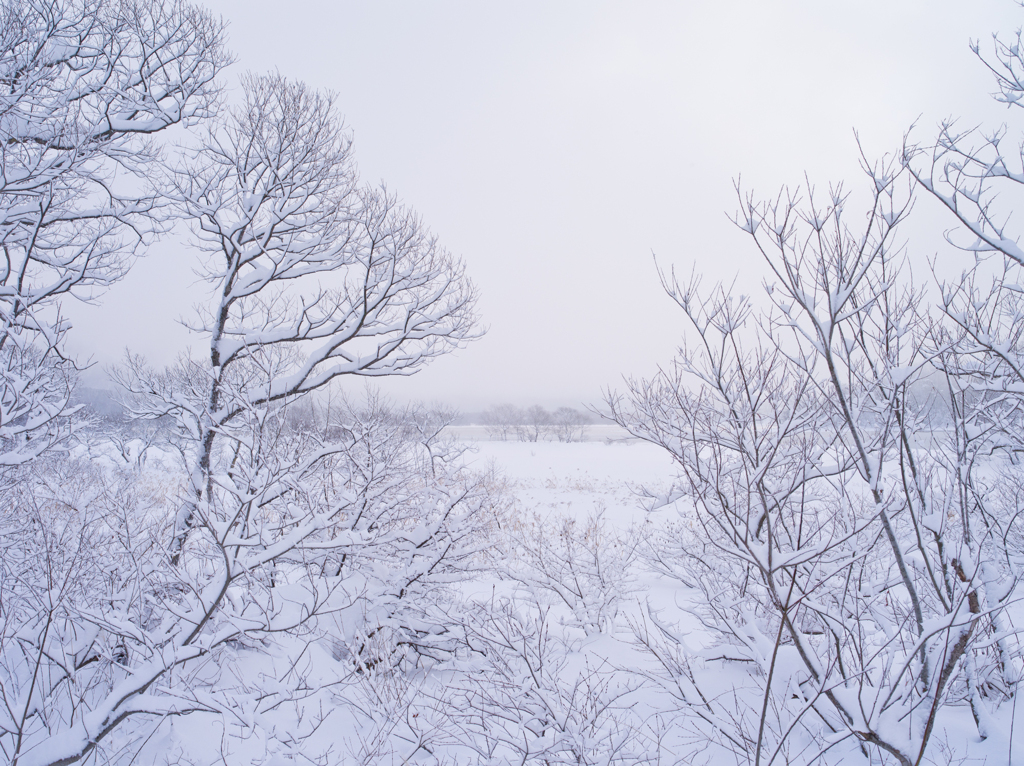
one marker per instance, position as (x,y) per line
(121,601)
(533,422)
(856,542)
(501,420)
(315,275)
(86,84)
(859,560)
(569,424)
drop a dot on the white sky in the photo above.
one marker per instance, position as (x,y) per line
(555,146)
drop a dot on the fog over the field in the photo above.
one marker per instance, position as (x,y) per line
(555,146)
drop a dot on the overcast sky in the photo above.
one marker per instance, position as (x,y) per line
(554,146)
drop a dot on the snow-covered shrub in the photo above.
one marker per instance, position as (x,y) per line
(581,563)
(535,697)
(82,623)
(413,520)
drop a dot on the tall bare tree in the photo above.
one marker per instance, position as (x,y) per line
(314,275)
(570,425)
(501,420)
(533,423)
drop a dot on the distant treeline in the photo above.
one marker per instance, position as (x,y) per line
(506,421)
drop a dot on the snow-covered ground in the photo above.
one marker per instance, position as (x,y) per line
(580,655)
(578,478)
(554,666)
(610,477)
